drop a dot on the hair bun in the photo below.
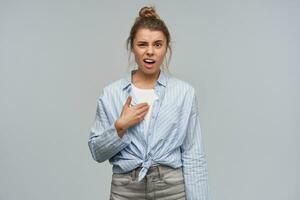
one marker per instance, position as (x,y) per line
(148,12)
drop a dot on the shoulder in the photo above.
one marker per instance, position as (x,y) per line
(181,85)
(113,86)
(184,93)
(112,89)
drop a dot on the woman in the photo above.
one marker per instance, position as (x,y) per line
(147,124)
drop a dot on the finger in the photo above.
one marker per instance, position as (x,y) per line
(140,117)
(142,110)
(140,105)
(128,101)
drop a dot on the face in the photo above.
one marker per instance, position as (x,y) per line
(149,49)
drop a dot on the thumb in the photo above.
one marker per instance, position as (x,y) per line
(128,101)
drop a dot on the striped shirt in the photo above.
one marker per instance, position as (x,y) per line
(173,136)
(145,95)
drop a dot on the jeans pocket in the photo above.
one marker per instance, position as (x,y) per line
(119,179)
(174,177)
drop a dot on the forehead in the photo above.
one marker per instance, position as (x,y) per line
(149,36)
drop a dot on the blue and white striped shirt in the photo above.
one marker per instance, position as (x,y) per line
(173,137)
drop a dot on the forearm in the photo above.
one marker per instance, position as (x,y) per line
(195,177)
(108,143)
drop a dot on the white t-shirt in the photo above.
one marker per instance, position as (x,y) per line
(145,95)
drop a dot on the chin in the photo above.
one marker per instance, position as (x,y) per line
(150,71)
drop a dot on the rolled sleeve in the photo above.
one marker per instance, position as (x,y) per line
(193,158)
(104,141)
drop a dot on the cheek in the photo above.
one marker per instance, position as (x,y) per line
(162,55)
(137,55)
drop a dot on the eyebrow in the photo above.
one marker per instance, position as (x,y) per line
(141,41)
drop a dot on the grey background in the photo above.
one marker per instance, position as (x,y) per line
(241,56)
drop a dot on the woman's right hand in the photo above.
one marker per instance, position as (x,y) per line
(130,115)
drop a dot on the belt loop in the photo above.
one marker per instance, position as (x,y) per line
(132,174)
(135,172)
(159,172)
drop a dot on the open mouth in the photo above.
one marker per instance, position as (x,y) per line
(149,61)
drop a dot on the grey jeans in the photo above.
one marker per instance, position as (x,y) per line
(161,183)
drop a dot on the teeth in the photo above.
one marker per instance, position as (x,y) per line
(149,60)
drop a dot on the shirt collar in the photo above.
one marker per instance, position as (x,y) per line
(162,78)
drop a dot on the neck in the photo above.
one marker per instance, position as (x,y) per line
(144,80)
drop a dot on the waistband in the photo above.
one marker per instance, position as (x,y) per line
(156,170)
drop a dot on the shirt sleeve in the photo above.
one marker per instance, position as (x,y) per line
(193,158)
(104,141)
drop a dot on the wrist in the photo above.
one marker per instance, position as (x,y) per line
(120,128)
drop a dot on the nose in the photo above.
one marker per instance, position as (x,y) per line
(150,51)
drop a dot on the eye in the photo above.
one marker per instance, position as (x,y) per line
(158,45)
(141,45)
